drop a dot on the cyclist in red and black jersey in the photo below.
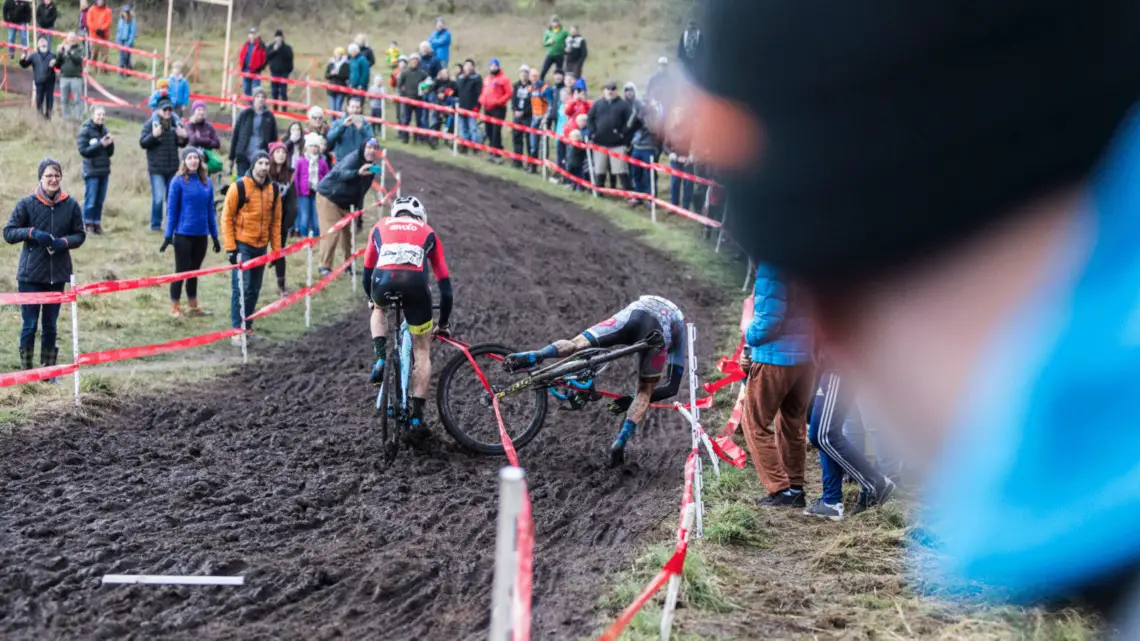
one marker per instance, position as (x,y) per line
(394,264)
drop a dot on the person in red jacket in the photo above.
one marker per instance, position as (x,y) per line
(578,105)
(494,98)
(253,59)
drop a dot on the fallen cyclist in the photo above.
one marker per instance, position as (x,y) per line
(640,320)
(394,265)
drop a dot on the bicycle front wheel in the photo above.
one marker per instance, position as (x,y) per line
(466,409)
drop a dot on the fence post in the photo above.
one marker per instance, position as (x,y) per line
(723,219)
(747,275)
(590,167)
(511,488)
(383,114)
(352,252)
(455,131)
(675,581)
(154,72)
(383,175)
(75,338)
(653,194)
(241,308)
(695,417)
(399,186)
(309,284)
(308,90)
(544,154)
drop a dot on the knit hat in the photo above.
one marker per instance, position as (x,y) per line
(524,68)
(372,142)
(495,63)
(275,145)
(256,157)
(192,150)
(48,162)
(580,84)
(197,103)
(316,112)
(279,34)
(162,83)
(313,139)
(163,103)
(339,51)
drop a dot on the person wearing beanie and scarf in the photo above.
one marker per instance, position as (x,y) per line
(312,167)
(342,191)
(249,230)
(281,173)
(190,224)
(162,135)
(49,223)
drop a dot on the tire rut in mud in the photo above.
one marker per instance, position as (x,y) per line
(272,471)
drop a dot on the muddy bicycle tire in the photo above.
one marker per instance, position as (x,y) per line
(459,363)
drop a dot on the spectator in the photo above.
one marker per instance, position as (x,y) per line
(422,113)
(280,60)
(541,95)
(190,224)
(608,121)
(179,89)
(561,121)
(440,41)
(576,156)
(69,61)
(162,135)
(343,189)
(200,131)
(660,83)
(46,15)
(251,223)
(576,52)
(690,45)
(579,105)
(556,88)
(337,73)
(646,147)
(392,55)
(316,124)
(161,90)
(19,14)
(254,130)
(394,79)
(350,132)
(125,33)
(521,114)
(253,59)
(99,20)
(96,146)
(294,141)
(428,62)
(408,86)
(681,159)
(495,97)
(50,225)
(554,41)
(361,41)
(84,8)
(281,173)
(376,97)
(311,169)
(779,387)
(442,93)
(359,71)
(468,89)
(43,64)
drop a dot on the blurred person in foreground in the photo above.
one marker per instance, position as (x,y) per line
(954,183)
(50,224)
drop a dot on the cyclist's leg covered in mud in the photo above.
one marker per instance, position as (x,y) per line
(378,324)
(651,369)
(418,314)
(624,328)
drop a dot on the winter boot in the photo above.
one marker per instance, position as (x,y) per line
(192,308)
(49,358)
(175,309)
(27,358)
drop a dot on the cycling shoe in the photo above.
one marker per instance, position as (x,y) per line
(417,433)
(522,360)
(377,376)
(617,456)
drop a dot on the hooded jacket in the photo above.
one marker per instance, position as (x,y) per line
(62,219)
(576,50)
(258,222)
(162,152)
(345,138)
(99,21)
(126,31)
(440,41)
(343,185)
(96,157)
(781,330)
(252,56)
(203,135)
(46,15)
(496,91)
(359,72)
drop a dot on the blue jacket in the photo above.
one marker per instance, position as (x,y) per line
(179,92)
(125,32)
(359,73)
(190,208)
(781,331)
(440,41)
(346,139)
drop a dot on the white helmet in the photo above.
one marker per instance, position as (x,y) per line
(409,206)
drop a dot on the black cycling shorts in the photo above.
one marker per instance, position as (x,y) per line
(415,292)
(626,328)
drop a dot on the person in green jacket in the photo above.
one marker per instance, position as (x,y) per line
(554,41)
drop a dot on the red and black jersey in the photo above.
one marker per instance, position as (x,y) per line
(402,243)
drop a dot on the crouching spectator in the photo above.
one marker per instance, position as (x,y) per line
(96,146)
(311,170)
(50,224)
(342,190)
(251,224)
(190,224)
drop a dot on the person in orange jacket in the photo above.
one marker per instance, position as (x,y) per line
(251,224)
(493,99)
(99,19)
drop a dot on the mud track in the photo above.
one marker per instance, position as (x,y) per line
(271,471)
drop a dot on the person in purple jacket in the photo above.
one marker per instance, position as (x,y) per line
(190,220)
(311,168)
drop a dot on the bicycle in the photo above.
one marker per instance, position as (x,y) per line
(399,362)
(570,379)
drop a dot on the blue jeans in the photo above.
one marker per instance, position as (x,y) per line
(32,314)
(640,175)
(681,190)
(13,33)
(307,216)
(336,101)
(159,185)
(251,280)
(833,403)
(249,84)
(469,128)
(124,57)
(94,193)
(535,123)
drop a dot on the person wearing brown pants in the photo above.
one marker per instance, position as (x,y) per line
(340,191)
(780,387)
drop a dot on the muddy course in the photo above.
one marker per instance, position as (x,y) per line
(273,470)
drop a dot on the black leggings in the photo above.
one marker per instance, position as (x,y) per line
(189,252)
(279,264)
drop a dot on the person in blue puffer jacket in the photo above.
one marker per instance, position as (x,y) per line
(780,385)
(188,224)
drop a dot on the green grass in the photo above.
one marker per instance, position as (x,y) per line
(128,250)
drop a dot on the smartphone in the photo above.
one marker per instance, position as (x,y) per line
(375,169)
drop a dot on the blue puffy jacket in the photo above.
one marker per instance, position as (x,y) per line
(781,331)
(440,41)
(190,208)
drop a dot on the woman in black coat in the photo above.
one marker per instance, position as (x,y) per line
(50,224)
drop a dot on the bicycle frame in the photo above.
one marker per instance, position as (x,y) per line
(546,376)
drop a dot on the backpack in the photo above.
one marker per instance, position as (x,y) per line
(243,199)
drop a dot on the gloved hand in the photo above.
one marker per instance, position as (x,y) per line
(620,405)
(217,245)
(165,243)
(42,237)
(442,330)
(232,257)
(58,244)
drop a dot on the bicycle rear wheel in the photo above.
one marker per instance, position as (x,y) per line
(465,406)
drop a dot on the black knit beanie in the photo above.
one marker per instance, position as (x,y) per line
(44,164)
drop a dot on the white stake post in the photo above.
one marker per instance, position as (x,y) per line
(383,177)
(590,167)
(399,184)
(241,308)
(163,579)
(653,194)
(75,338)
(383,116)
(695,415)
(455,131)
(748,275)
(154,68)
(723,219)
(704,439)
(675,581)
(309,285)
(544,154)
(308,90)
(352,252)
(511,488)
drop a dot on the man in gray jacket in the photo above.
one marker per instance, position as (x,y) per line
(340,192)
